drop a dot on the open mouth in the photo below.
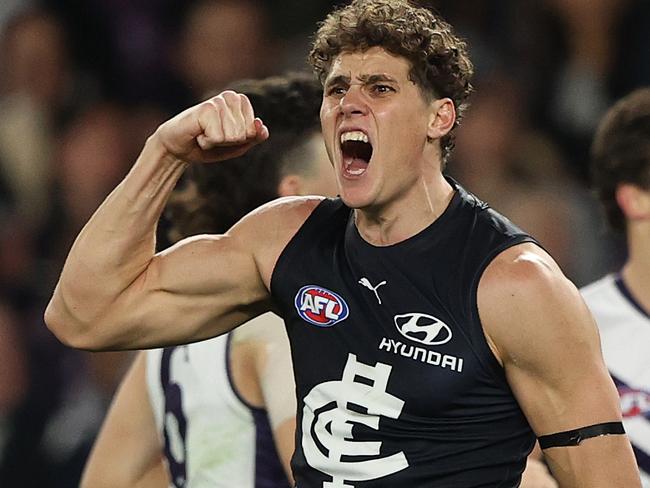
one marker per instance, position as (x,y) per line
(357,151)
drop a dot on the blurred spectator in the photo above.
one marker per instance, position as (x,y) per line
(572,57)
(33,79)
(35,58)
(95,150)
(25,144)
(126,44)
(8,9)
(167,52)
(519,171)
(13,374)
(630,65)
(93,156)
(68,391)
(223,40)
(582,94)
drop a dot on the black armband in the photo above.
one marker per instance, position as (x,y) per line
(576,436)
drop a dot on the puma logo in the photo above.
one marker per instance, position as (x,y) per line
(366,282)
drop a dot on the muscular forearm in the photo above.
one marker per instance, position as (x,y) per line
(114,248)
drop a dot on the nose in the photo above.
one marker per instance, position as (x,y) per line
(353,103)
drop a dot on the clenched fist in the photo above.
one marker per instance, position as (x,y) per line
(220,128)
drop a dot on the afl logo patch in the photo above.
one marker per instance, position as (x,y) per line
(320,306)
(423,328)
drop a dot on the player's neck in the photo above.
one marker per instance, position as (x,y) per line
(407,215)
(636,271)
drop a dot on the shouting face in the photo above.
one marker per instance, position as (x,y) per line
(377,124)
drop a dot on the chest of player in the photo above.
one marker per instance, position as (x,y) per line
(351,324)
(391,363)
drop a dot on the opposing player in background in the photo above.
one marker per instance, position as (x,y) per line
(620,302)
(429,335)
(207,414)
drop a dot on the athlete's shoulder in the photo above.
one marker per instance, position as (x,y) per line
(524,290)
(521,265)
(278,218)
(298,207)
(523,279)
(266,231)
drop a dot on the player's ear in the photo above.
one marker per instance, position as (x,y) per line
(290,185)
(442,117)
(634,201)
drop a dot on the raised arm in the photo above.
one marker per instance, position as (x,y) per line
(541,331)
(115,293)
(127,452)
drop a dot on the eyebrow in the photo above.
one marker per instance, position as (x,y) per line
(369,79)
(365,79)
(338,80)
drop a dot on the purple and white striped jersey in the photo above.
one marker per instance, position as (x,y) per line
(625,336)
(210,435)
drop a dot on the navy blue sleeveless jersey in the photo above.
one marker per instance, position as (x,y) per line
(396,384)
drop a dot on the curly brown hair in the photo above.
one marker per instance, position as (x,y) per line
(620,152)
(440,64)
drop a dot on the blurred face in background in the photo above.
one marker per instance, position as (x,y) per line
(223,41)
(34,59)
(94,156)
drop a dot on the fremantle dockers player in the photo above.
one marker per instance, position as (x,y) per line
(620,302)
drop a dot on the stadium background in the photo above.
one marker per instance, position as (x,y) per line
(83,82)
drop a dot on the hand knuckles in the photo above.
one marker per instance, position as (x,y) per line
(206,107)
(219,103)
(244,100)
(208,111)
(231,98)
(239,137)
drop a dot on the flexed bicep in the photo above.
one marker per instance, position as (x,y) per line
(541,331)
(200,287)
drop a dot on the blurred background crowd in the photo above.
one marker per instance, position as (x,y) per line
(84,82)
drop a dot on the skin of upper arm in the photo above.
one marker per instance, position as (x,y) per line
(127,451)
(546,339)
(204,285)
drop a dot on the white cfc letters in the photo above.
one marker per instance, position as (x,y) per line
(327,425)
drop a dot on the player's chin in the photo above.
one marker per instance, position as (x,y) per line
(356,197)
